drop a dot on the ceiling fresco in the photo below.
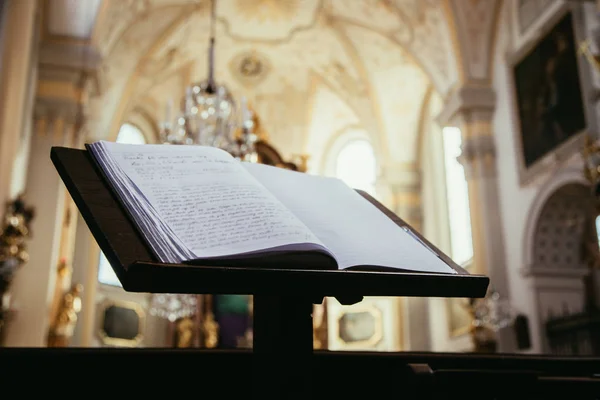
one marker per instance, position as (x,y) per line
(380,58)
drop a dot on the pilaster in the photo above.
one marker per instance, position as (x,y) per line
(18,39)
(404,183)
(59,120)
(471,108)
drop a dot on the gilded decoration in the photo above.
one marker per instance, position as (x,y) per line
(63,327)
(374,324)
(15,229)
(121,323)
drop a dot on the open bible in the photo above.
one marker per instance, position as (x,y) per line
(199,205)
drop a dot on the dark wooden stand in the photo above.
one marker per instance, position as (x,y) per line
(283,298)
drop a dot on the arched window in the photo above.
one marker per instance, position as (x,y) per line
(132,135)
(356,165)
(458,198)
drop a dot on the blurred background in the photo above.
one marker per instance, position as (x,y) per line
(476,121)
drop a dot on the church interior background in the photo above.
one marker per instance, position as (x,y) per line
(475,121)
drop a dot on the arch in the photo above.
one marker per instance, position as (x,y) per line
(337,141)
(563,223)
(142,119)
(356,164)
(337,25)
(132,134)
(566,176)
(124,103)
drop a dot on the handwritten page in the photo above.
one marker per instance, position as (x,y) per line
(352,228)
(208,200)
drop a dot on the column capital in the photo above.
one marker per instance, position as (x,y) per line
(63,61)
(401,175)
(63,93)
(478,156)
(467,102)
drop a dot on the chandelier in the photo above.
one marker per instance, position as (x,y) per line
(209,115)
(173,306)
(493,312)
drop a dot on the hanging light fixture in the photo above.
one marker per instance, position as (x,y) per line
(209,115)
(173,306)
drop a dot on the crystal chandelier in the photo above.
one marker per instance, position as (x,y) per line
(173,306)
(209,115)
(493,312)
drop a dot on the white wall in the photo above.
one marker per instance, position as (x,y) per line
(521,203)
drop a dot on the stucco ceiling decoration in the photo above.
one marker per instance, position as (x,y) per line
(267,20)
(123,60)
(417,26)
(377,56)
(290,62)
(114,18)
(250,68)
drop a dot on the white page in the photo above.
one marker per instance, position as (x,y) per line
(352,228)
(208,200)
(166,246)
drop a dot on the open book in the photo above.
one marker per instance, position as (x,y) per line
(199,205)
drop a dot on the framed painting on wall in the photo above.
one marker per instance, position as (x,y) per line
(121,323)
(548,99)
(371,325)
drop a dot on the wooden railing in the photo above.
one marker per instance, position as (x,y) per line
(333,375)
(576,334)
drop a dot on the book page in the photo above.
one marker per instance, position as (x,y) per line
(208,200)
(353,229)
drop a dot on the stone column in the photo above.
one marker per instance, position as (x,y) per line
(471,109)
(404,182)
(57,122)
(16,51)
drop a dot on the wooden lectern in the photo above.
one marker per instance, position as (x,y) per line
(283,298)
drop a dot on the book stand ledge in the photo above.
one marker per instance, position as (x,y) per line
(283,298)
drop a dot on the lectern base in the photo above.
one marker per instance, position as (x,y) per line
(283,347)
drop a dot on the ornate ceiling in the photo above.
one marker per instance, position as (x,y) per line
(298,61)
